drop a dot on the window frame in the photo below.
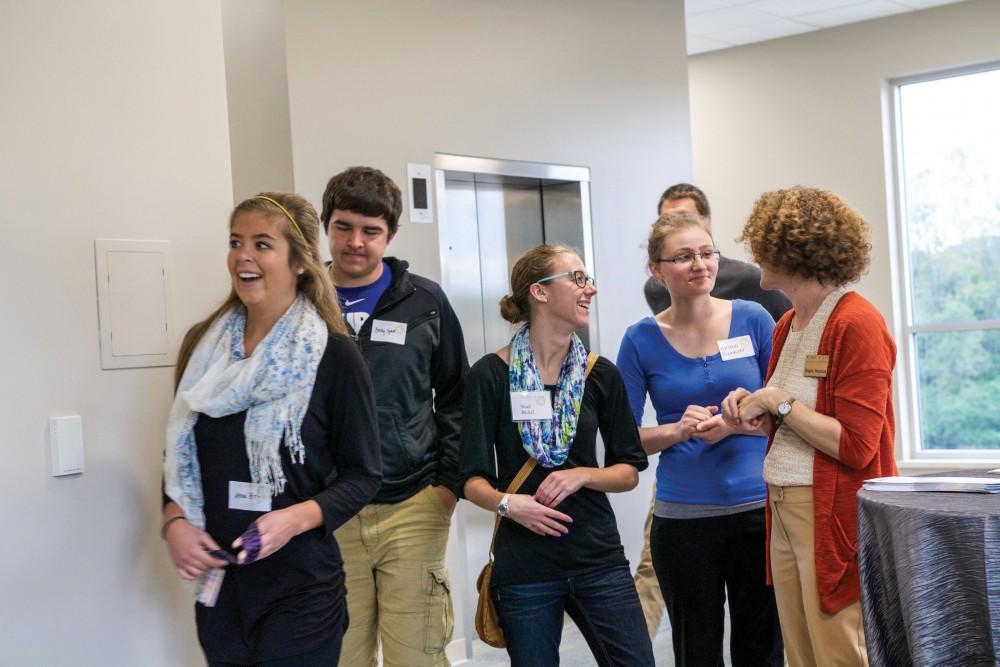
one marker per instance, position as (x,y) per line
(908,424)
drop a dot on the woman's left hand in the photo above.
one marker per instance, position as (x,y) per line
(560,484)
(714,429)
(276,529)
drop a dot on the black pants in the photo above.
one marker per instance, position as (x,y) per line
(325,655)
(699,561)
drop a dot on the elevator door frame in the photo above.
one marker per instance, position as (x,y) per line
(453,241)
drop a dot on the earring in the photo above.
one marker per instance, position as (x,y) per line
(301,271)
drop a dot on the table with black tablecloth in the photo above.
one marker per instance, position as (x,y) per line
(930,576)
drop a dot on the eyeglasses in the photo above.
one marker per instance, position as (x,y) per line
(705,255)
(579,277)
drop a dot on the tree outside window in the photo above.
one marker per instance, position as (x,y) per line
(948,147)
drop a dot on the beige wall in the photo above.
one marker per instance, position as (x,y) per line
(112,125)
(260,133)
(810,110)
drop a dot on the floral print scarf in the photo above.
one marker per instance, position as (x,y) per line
(548,441)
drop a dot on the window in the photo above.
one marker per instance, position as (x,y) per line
(947,134)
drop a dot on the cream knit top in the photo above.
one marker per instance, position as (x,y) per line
(790,459)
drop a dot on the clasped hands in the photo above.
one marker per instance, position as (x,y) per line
(707,423)
(745,408)
(536,512)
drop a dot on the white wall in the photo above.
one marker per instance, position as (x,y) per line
(585,82)
(810,110)
(112,124)
(257,86)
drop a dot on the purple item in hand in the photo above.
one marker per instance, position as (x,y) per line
(250,540)
(222,554)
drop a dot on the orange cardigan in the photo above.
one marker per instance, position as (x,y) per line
(857,392)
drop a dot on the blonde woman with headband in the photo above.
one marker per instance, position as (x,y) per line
(271,445)
(534,407)
(707,535)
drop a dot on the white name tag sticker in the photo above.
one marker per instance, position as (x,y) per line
(530,405)
(249,496)
(384,331)
(736,348)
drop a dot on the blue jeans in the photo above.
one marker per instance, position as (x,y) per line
(603,604)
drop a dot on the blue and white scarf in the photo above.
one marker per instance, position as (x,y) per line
(274,385)
(548,441)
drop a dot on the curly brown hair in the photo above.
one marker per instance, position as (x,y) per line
(810,233)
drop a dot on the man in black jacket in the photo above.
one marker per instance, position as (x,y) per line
(398,592)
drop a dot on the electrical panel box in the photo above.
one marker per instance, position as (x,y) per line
(133,295)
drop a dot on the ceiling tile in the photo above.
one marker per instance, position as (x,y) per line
(697,44)
(725,19)
(695,7)
(790,8)
(924,4)
(762,31)
(864,11)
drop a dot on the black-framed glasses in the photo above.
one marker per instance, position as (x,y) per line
(688,258)
(579,277)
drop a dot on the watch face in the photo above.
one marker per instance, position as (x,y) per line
(784,408)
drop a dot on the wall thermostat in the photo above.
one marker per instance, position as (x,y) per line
(419,177)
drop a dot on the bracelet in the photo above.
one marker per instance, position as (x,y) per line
(166,524)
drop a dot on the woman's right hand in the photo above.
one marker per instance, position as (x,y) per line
(536,517)
(189,548)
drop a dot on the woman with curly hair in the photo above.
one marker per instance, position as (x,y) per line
(827,407)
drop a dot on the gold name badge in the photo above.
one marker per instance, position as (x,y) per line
(817,365)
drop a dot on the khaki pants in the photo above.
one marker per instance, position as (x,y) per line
(811,636)
(397,585)
(646,584)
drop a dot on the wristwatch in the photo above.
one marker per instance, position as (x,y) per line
(503,505)
(783,409)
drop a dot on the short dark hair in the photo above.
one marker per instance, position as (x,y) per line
(363,190)
(686,191)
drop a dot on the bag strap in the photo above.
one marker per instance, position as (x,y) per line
(530,464)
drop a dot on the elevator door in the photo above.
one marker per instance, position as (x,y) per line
(491,221)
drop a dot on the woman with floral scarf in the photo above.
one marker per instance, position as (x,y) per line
(534,406)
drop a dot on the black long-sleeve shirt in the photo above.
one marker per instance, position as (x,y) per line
(593,541)
(292,601)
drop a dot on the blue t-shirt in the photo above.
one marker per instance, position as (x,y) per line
(729,472)
(357,303)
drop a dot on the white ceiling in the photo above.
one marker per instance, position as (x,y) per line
(719,24)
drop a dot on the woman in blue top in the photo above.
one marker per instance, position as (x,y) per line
(708,521)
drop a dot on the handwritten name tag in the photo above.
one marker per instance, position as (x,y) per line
(736,348)
(384,331)
(530,405)
(249,496)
